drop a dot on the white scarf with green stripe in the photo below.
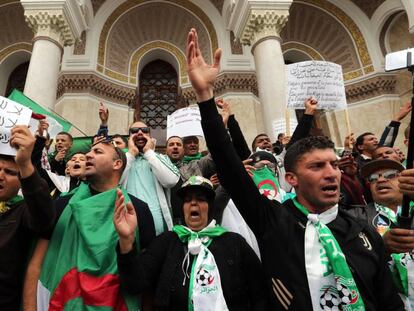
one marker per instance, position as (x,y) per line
(331,284)
(205,291)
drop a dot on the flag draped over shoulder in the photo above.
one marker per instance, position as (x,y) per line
(80,270)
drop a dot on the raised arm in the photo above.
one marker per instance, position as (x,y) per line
(235,132)
(230,169)
(137,272)
(165,172)
(390,133)
(39,215)
(305,123)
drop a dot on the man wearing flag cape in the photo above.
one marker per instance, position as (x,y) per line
(20,218)
(314,254)
(79,270)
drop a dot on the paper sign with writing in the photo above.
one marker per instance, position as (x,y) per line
(279,126)
(11,114)
(184,122)
(321,80)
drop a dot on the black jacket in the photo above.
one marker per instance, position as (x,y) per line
(160,267)
(18,227)
(280,231)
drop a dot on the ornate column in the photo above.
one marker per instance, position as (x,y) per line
(55,24)
(258,24)
(409,9)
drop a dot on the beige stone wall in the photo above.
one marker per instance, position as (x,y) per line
(370,116)
(82,111)
(248,113)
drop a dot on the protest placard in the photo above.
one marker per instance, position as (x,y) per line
(279,126)
(184,122)
(11,114)
(318,79)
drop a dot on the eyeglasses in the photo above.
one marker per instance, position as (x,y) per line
(390,174)
(134,130)
(269,165)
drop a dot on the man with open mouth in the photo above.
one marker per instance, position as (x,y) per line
(388,182)
(83,227)
(315,255)
(149,175)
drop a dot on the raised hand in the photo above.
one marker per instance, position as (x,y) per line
(248,167)
(42,127)
(23,141)
(310,105)
(103,114)
(125,222)
(404,111)
(406,182)
(349,141)
(132,148)
(225,110)
(214,180)
(201,75)
(150,145)
(60,155)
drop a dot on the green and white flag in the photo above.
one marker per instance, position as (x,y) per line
(56,123)
(80,269)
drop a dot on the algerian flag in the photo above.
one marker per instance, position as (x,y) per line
(267,184)
(80,270)
(56,123)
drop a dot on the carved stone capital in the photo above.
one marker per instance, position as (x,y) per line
(61,20)
(51,24)
(262,24)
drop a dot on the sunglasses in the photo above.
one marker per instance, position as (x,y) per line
(134,130)
(390,174)
(270,165)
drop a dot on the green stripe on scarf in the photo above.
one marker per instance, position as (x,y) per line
(187,236)
(81,255)
(187,159)
(342,274)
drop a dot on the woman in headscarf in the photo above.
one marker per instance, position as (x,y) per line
(199,266)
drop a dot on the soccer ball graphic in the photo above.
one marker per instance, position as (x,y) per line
(344,293)
(329,301)
(204,277)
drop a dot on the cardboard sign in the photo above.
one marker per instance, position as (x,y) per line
(11,114)
(184,122)
(321,80)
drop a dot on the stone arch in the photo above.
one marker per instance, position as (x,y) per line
(156,20)
(12,17)
(330,32)
(293,47)
(10,58)
(161,50)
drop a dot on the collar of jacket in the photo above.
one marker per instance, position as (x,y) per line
(343,226)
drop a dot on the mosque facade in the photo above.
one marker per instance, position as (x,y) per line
(70,55)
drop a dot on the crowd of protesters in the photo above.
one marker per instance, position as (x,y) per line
(291,225)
